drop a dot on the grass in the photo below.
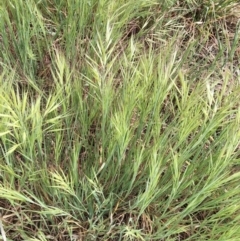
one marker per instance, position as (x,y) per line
(119,120)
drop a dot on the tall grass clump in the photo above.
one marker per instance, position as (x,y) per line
(119,120)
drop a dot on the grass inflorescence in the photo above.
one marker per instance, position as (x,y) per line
(120,120)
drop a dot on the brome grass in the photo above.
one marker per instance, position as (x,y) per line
(119,120)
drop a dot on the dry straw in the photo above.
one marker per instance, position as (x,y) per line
(2,230)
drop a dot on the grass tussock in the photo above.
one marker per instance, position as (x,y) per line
(119,120)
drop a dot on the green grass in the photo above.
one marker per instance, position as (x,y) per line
(119,120)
